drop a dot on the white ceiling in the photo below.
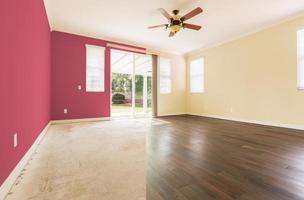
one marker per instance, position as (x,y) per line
(127,20)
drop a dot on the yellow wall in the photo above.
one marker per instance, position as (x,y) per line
(252,78)
(175,102)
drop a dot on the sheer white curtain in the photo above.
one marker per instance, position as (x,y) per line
(95,66)
(300,54)
(165,75)
(197,76)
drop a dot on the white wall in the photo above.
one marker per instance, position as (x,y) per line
(175,102)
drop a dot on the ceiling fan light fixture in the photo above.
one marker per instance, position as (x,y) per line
(176,22)
(175,28)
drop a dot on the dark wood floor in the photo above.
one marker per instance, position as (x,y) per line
(193,158)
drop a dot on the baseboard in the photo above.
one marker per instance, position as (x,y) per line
(266,123)
(172,114)
(10,180)
(66,121)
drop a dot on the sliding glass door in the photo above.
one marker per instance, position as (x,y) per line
(143,92)
(131,83)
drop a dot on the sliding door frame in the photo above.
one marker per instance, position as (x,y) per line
(145,85)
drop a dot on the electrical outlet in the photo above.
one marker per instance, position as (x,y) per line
(15,140)
(79,87)
(65,111)
(231,110)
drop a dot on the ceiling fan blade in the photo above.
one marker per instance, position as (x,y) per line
(157,26)
(165,13)
(191,14)
(171,34)
(192,26)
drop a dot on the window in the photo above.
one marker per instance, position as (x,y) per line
(95,68)
(197,76)
(300,54)
(165,76)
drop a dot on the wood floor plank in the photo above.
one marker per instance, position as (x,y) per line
(203,158)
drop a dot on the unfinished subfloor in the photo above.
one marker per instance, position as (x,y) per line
(89,160)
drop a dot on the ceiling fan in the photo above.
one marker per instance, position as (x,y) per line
(176,22)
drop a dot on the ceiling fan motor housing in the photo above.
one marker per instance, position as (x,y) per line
(176,23)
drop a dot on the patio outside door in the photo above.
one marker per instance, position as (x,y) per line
(131,80)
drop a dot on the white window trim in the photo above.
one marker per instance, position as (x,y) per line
(198,75)
(300,60)
(167,76)
(104,76)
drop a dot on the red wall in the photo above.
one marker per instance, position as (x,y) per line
(69,71)
(40,72)
(24,78)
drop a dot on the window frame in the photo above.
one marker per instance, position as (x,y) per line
(300,59)
(200,76)
(88,88)
(169,76)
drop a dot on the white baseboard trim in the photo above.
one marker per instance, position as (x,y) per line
(66,121)
(171,114)
(282,125)
(10,180)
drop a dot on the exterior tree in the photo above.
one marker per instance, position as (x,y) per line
(121,83)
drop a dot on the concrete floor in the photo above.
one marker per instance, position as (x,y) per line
(90,160)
